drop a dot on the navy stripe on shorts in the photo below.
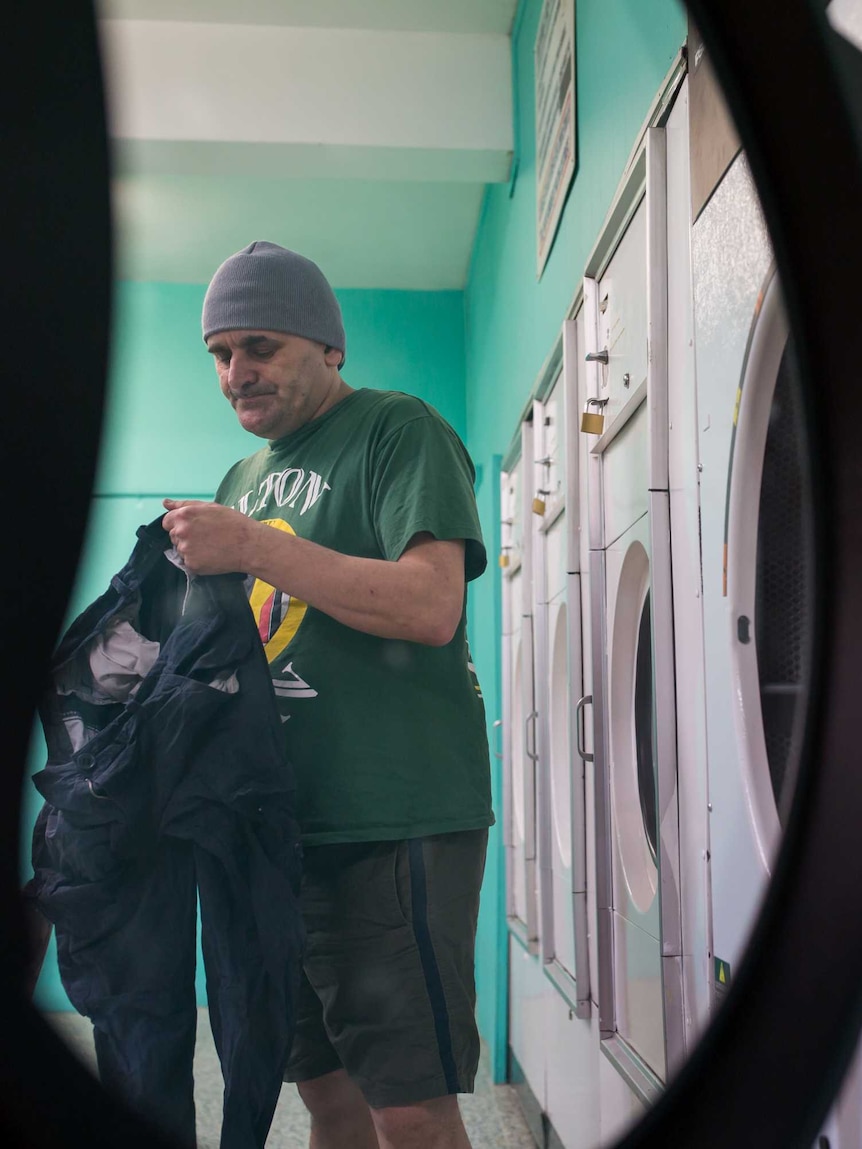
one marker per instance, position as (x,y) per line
(433,981)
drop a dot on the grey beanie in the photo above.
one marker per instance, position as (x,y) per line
(265,287)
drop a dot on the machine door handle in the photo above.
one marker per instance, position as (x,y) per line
(597,356)
(498,726)
(528,722)
(587,700)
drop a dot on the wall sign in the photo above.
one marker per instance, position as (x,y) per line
(554,58)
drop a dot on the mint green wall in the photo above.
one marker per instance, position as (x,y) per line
(624,50)
(169,431)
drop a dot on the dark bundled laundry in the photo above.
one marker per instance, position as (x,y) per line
(167,781)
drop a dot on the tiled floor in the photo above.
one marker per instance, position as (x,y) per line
(491,1114)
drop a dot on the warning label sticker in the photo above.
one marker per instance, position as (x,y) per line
(721,978)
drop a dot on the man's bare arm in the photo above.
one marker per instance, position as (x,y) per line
(419,598)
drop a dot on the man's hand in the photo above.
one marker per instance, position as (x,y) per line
(210,539)
(419,598)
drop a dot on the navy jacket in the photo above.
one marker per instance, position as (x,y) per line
(167,781)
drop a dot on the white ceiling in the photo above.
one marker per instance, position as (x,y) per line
(360,132)
(398,15)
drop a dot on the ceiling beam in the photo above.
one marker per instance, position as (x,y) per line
(286,102)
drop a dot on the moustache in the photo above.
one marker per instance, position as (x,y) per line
(236,395)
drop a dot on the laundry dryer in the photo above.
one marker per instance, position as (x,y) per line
(633,697)
(558,677)
(552,679)
(526,1056)
(571,1034)
(518,783)
(758,570)
(550,1031)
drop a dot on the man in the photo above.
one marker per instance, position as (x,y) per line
(357,527)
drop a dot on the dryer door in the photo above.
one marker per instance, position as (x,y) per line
(768,569)
(513,754)
(519,714)
(632,769)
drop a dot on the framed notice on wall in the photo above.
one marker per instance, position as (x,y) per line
(555,119)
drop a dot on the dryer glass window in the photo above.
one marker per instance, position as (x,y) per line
(783,580)
(644,728)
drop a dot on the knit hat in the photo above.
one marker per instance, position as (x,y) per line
(265,287)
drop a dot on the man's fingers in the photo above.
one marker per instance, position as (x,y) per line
(173,505)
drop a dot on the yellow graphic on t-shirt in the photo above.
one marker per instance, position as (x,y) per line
(276,613)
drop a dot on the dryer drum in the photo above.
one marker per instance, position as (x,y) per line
(644,728)
(782,583)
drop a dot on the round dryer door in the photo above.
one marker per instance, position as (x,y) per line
(638,994)
(768,557)
(632,706)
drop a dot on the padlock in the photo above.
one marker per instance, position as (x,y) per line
(593,422)
(504,559)
(539,504)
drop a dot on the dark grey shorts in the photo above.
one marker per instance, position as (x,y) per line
(388,990)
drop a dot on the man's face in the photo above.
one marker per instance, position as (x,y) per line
(274,382)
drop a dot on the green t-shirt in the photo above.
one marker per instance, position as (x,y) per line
(387,737)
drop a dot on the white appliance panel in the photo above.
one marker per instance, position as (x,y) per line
(623,317)
(527,1011)
(553,450)
(640,1001)
(555,543)
(583,544)
(512,602)
(684,487)
(731,255)
(573,1089)
(513,516)
(625,468)
(621,1107)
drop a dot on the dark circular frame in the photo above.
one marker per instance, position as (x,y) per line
(770,1063)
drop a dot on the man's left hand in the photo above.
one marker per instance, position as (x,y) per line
(209,538)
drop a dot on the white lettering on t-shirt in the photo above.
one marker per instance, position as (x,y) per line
(242,503)
(264,491)
(285,487)
(313,486)
(281,481)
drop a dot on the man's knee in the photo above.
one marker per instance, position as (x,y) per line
(332,1098)
(431,1123)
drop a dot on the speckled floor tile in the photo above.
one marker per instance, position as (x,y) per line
(491,1114)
